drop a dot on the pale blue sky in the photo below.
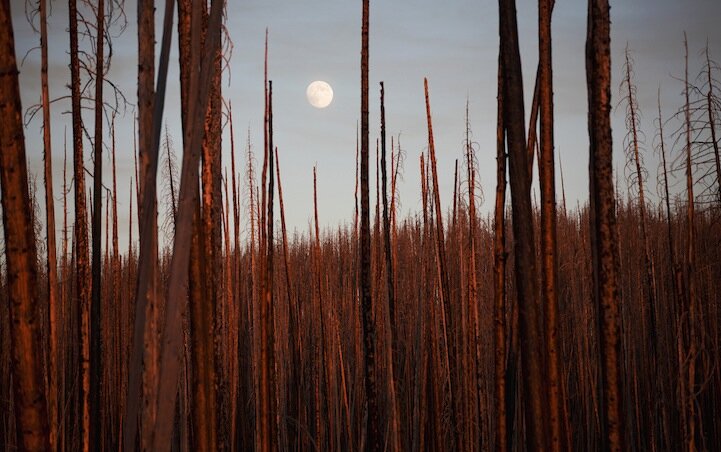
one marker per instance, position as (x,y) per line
(453,43)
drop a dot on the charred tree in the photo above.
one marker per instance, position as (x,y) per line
(31,416)
(603,220)
(52,268)
(549,252)
(373,428)
(82,267)
(524,247)
(96,330)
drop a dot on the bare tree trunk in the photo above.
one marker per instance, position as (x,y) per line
(31,416)
(147,278)
(549,260)
(524,248)
(504,418)
(443,277)
(82,269)
(712,121)
(96,330)
(373,428)
(603,220)
(144,355)
(52,267)
(212,241)
(171,343)
(667,202)
(690,404)
(268,427)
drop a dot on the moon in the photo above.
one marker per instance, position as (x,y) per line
(319,94)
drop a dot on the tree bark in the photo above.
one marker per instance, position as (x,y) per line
(96,330)
(31,416)
(82,268)
(52,267)
(523,237)
(373,428)
(549,260)
(603,220)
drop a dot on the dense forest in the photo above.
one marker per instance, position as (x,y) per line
(536,326)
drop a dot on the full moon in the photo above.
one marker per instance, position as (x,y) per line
(319,94)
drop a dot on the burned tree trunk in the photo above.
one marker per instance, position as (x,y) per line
(52,267)
(374,436)
(82,267)
(96,333)
(549,259)
(22,277)
(603,219)
(524,247)
(443,277)
(505,393)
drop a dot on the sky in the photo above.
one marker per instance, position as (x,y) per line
(453,43)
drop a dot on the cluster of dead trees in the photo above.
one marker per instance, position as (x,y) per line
(539,327)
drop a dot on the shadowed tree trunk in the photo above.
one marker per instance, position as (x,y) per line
(31,418)
(171,343)
(82,268)
(146,279)
(505,394)
(148,304)
(603,219)
(373,428)
(96,332)
(524,248)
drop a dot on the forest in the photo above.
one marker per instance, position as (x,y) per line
(536,326)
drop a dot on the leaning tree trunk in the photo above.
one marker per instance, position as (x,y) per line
(171,343)
(443,279)
(22,277)
(603,219)
(148,304)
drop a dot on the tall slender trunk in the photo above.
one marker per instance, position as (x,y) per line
(443,276)
(549,260)
(96,329)
(52,267)
(504,418)
(603,220)
(667,203)
(144,355)
(171,343)
(31,416)
(632,120)
(268,427)
(82,268)
(523,237)
(211,177)
(389,277)
(690,404)
(373,428)
(295,398)
(471,264)
(144,333)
